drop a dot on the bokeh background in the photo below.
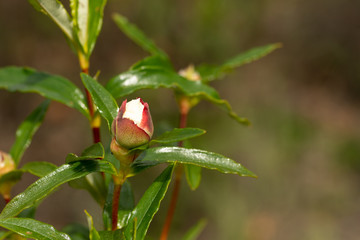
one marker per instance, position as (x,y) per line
(302,100)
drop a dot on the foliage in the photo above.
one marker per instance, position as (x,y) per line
(95,170)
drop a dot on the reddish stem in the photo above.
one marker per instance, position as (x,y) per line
(96,134)
(178,176)
(7,200)
(172,207)
(115,206)
(90,103)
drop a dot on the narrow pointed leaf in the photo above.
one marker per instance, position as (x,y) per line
(95,151)
(87,21)
(56,11)
(209,73)
(94,235)
(178,134)
(193,176)
(137,36)
(26,131)
(50,86)
(102,98)
(39,169)
(45,185)
(30,228)
(148,206)
(159,77)
(201,158)
(195,231)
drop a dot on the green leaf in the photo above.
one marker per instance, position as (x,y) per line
(209,73)
(95,151)
(76,231)
(39,169)
(26,131)
(94,235)
(126,205)
(156,77)
(178,134)
(31,228)
(56,11)
(112,235)
(137,36)
(201,158)
(148,206)
(4,234)
(195,231)
(102,98)
(45,185)
(154,61)
(28,213)
(193,176)
(94,184)
(50,86)
(87,22)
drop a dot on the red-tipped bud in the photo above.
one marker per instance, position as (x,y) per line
(133,125)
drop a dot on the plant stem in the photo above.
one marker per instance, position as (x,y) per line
(95,124)
(115,206)
(7,198)
(173,201)
(184,110)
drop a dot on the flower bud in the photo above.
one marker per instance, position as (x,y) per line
(133,125)
(7,164)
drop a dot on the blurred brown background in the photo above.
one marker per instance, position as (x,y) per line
(303,101)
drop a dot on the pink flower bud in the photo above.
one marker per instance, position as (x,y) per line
(133,125)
